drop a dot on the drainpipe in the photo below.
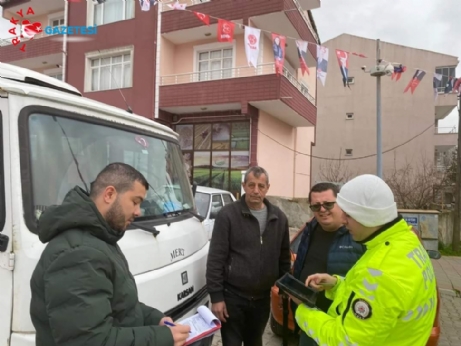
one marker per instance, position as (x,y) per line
(157,60)
(294,161)
(64,42)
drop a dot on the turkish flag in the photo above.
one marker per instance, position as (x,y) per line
(225,31)
(203,17)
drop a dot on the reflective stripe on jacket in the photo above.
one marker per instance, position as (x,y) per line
(388,298)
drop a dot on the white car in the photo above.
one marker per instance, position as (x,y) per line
(209,202)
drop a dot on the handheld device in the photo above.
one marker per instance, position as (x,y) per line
(290,285)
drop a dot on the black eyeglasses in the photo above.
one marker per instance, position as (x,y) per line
(318,206)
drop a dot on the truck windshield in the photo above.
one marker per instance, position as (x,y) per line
(58,144)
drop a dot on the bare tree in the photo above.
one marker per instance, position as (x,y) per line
(415,184)
(335,171)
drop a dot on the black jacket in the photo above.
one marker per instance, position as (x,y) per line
(242,261)
(82,290)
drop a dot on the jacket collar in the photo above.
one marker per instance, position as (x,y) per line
(386,232)
(314,223)
(246,210)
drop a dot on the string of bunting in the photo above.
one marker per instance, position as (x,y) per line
(225,33)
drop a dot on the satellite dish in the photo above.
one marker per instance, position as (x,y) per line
(73,38)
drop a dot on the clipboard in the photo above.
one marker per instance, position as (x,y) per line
(292,286)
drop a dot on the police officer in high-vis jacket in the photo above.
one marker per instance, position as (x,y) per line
(389,297)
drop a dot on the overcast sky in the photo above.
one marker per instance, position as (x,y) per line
(425,24)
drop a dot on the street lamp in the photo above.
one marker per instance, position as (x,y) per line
(381,69)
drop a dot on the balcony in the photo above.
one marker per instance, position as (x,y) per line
(36,53)
(286,17)
(309,4)
(444,104)
(283,97)
(445,138)
(40,7)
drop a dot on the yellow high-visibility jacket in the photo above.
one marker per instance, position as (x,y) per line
(388,298)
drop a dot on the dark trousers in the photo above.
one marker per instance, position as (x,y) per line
(246,322)
(304,340)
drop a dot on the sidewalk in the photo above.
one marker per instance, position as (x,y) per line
(448,273)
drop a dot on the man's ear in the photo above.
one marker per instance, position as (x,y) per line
(109,194)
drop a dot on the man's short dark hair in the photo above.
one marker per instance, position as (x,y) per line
(257,171)
(119,175)
(321,187)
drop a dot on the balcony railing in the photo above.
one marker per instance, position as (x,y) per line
(306,19)
(9,41)
(188,3)
(236,72)
(445,130)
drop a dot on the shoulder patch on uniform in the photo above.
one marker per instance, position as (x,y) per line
(361,309)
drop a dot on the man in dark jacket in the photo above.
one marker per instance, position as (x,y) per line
(326,246)
(249,251)
(82,290)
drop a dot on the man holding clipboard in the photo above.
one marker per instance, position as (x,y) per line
(389,297)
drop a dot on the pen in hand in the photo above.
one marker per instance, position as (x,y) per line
(172,325)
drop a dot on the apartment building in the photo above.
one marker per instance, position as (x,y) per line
(346,127)
(167,65)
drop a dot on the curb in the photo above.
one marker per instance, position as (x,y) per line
(446,292)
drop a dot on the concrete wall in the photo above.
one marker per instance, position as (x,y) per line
(296,210)
(446,223)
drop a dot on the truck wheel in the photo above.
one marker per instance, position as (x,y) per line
(276,328)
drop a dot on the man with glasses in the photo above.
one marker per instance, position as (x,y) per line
(326,246)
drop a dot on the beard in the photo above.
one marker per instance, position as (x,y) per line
(115,217)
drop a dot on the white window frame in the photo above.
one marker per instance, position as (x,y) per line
(53,72)
(56,16)
(213,46)
(441,89)
(90,12)
(106,53)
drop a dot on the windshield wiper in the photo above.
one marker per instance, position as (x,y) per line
(179,212)
(152,229)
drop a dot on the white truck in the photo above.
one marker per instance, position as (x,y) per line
(52,139)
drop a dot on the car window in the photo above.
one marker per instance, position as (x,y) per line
(227,198)
(216,204)
(202,201)
(295,243)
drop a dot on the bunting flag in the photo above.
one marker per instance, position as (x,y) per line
(398,70)
(436,84)
(343,61)
(225,31)
(146,4)
(450,86)
(252,40)
(414,82)
(457,86)
(302,54)
(177,6)
(278,46)
(322,63)
(203,17)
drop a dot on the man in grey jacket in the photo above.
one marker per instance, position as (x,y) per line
(249,251)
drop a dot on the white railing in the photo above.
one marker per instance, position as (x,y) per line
(9,41)
(445,130)
(306,19)
(236,72)
(188,3)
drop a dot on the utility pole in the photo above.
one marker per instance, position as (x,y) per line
(379,151)
(457,221)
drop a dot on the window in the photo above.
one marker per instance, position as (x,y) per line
(216,206)
(112,11)
(57,76)
(55,141)
(348,152)
(217,153)
(446,72)
(106,72)
(227,199)
(54,73)
(56,22)
(350,80)
(215,64)
(202,202)
(349,116)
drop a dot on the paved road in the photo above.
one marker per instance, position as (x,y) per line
(448,273)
